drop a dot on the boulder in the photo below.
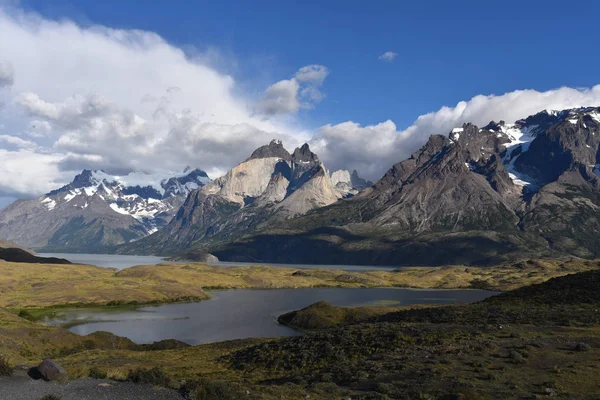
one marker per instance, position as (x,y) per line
(51,371)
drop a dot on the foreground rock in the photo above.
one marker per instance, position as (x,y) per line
(51,371)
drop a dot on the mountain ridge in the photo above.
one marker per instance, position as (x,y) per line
(269,187)
(475,196)
(97,209)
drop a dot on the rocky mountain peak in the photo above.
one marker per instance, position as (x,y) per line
(273,149)
(304,155)
(88,177)
(348,184)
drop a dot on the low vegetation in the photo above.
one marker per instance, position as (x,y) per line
(541,340)
(5,368)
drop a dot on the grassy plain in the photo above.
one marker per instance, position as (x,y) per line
(48,285)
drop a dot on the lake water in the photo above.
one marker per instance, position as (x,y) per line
(124,261)
(106,260)
(238,314)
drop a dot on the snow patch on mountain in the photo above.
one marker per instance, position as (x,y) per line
(50,204)
(520,139)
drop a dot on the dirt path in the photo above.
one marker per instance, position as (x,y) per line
(25,388)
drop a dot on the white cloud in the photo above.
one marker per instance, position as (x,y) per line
(17,142)
(280,98)
(313,74)
(118,100)
(388,56)
(375,148)
(22,169)
(289,95)
(7,74)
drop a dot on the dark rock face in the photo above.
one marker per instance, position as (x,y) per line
(273,149)
(51,371)
(146,192)
(304,155)
(20,255)
(358,182)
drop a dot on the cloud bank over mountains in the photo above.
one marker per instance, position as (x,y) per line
(74,97)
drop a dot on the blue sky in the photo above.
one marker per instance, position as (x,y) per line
(448,51)
(154,86)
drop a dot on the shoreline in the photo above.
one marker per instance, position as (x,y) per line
(40,314)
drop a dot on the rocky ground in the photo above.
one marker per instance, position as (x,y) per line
(22,387)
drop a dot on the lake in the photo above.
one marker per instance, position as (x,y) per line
(238,314)
(119,261)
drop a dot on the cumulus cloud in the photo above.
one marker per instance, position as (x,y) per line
(289,95)
(388,56)
(280,98)
(373,149)
(119,100)
(23,168)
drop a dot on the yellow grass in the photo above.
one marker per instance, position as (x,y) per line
(45,285)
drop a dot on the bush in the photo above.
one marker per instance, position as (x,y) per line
(205,389)
(517,357)
(26,314)
(154,376)
(582,347)
(97,373)
(5,369)
(51,397)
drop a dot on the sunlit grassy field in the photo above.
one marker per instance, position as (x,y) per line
(45,285)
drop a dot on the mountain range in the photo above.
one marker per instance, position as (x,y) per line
(269,188)
(97,210)
(478,195)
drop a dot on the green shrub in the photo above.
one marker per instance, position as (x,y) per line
(97,373)
(26,314)
(154,376)
(5,369)
(517,357)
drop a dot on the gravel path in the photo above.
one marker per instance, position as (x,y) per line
(25,388)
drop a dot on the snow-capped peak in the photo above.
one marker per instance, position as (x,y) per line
(149,198)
